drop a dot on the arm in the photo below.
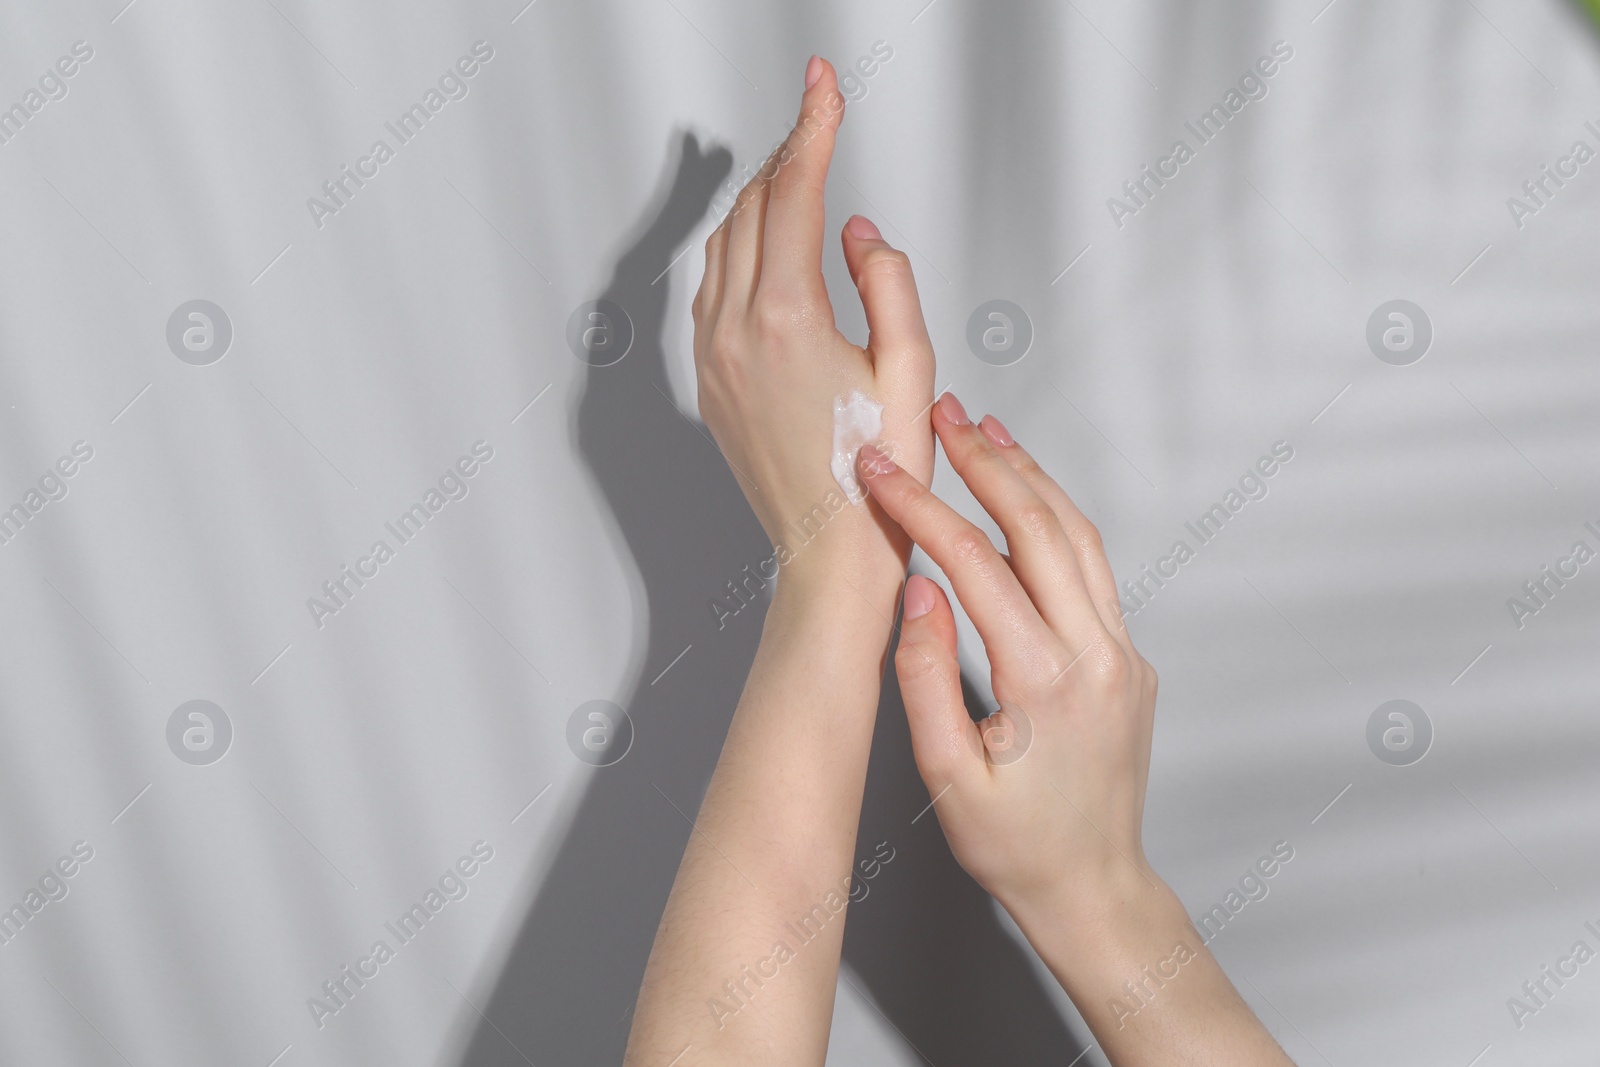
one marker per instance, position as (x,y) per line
(732,972)
(1042,802)
(747,954)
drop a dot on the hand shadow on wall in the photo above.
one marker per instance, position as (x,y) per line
(925,944)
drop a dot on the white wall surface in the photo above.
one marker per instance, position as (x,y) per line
(370,352)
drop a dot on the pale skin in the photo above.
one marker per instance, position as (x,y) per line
(1055,835)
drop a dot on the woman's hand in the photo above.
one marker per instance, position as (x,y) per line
(770,364)
(770,361)
(1042,802)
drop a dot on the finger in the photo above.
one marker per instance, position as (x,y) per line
(709,297)
(1010,628)
(1041,553)
(1085,537)
(930,684)
(897,335)
(791,267)
(742,270)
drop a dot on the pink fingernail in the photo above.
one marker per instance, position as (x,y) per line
(952,410)
(862,227)
(919,598)
(874,461)
(813,71)
(996,431)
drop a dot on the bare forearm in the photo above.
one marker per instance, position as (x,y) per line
(747,954)
(1145,981)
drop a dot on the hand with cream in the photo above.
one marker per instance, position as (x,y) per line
(790,401)
(788,397)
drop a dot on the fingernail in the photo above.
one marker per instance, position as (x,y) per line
(995,431)
(813,71)
(862,227)
(952,410)
(919,597)
(873,461)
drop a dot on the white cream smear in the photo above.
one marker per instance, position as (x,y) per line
(857,420)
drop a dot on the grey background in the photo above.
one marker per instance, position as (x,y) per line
(369,754)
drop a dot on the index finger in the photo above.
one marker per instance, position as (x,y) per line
(1084,535)
(1009,624)
(792,245)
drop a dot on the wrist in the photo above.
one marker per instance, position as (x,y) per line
(1091,935)
(852,602)
(1094,914)
(850,560)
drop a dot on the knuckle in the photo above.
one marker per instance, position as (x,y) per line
(1032,473)
(821,119)
(1037,522)
(1113,668)
(916,665)
(885,262)
(970,545)
(971,450)
(796,179)
(1086,535)
(1026,465)
(917,508)
(723,348)
(1054,666)
(774,314)
(815,123)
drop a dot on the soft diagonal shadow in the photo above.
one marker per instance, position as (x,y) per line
(925,941)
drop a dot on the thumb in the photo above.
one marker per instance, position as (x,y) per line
(930,682)
(902,354)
